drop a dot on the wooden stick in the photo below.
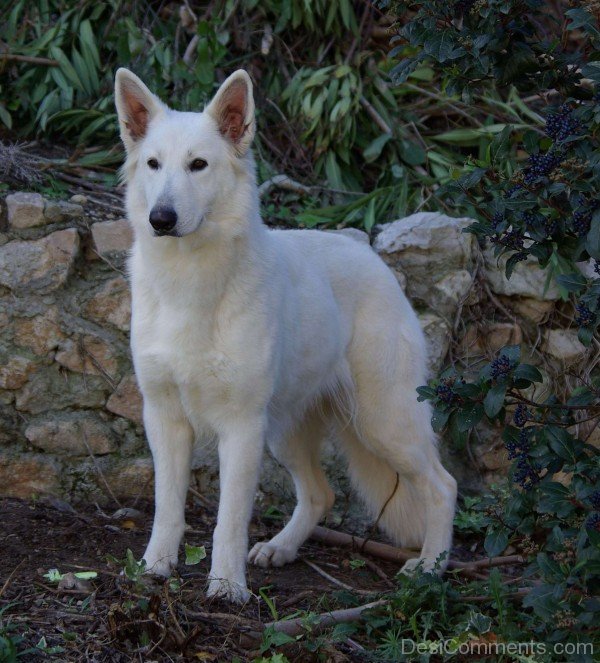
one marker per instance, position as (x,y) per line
(296,626)
(393,554)
(29,58)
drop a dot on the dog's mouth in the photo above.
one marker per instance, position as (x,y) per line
(157,232)
(166,233)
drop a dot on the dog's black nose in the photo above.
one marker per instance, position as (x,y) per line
(163,220)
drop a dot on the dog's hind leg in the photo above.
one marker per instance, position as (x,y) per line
(300,456)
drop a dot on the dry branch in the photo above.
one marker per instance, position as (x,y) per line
(399,555)
(296,626)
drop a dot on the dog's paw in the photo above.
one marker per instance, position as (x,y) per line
(418,564)
(266,553)
(160,566)
(231,591)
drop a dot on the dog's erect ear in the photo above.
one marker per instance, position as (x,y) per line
(136,106)
(233,110)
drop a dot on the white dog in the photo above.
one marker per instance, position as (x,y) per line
(253,336)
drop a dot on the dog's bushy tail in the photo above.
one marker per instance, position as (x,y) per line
(389,500)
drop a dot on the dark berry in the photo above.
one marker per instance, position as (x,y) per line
(501,366)
(595,500)
(497,219)
(518,448)
(584,316)
(525,475)
(597,267)
(562,125)
(541,165)
(582,218)
(521,415)
(593,522)
(463,6)
(512,190)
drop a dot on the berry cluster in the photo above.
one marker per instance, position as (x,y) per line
(512,240)
(445,392)
(513,189)
(463,6)
(518,448)
(541,165)
(593,521)
(582,218)
(501,367)
(521,415)
(584,316)
(525,475)
(529,219)
(597,267)
(562,125)
(551,226)
(497,219)
(595,500)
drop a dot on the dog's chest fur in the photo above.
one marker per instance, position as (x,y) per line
(187,336)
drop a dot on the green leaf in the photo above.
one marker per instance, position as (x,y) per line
(469,417)
(592,242)
(374,149)
(528,374)
(556,499)
(573,282)
(562,443)
(495,542)
(494,400)
(439,419)
(194,554)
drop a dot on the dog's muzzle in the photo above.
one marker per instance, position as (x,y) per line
(163,220)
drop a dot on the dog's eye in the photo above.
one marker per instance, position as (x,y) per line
(198,164)
(153,163)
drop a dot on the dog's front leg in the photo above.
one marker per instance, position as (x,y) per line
(171,439)
(240,453)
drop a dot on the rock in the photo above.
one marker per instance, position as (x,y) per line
(28,475)
(88,354)
(57,211)
(112,303)
(40,333)
(131,477)
(75,434)
(438,336)
(418,242)
(534,310)
(490,338)
(493,458)
(53,389)
(15,372)
(25,210)
(126,401)
(42,265)
(112,236)
(563,344)
(449,292)
(527,279)
(79,199)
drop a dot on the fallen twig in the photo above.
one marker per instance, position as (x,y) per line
(30,59)
(331,579)
(297,625)
(393,554)
(283,182)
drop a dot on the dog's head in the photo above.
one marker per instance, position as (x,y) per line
(180,166)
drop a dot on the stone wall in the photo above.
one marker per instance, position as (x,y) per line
(70,419)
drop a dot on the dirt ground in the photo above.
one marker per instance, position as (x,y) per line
(116,620)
